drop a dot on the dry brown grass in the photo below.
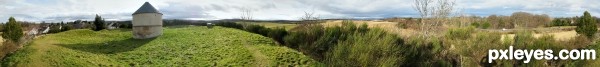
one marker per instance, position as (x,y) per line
(388,26)
(559,35)
(6,48)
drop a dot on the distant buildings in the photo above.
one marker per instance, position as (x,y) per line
(147,22)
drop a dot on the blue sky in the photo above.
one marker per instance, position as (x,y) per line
(70,10)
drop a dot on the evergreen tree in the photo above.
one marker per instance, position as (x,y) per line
(587,25)
(13,30)
(98,23)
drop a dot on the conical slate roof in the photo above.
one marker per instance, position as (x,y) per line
(147,8)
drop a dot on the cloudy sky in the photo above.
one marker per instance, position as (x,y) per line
(69,10)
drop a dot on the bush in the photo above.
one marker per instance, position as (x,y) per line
(523,39)
(125,25)
(304,38)
(460,33)
(54,28)
(402,25)
(475,24)
(348,26)
(425,52)
(98,23)
(485,25)
(13,32)
(66,28)
(363,28)
(230,25)
(373,48)
(257,29)
(586,25)
(560,22)
(278,34)
(315,41)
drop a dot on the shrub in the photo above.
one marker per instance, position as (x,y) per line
(373,48)
(257,29)
(363,28)
(348,26)
(460,33)
(402,25)
(427,52)
(523,38)
(559,22)
(126,25)
(329,38)
(13,30)
(54,28)
(304,38)
(586,25)
(277,34)
(98,24)
(2,27)
(475,24)
(66,28)
(476,47)
(230,25)
(485,25)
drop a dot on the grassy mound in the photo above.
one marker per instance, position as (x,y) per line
(187,46)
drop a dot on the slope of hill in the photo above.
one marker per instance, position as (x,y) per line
(178,46)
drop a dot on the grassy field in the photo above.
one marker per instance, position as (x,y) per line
(178,46)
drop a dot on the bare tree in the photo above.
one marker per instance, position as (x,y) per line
(423,7)
(310,17)
(246,14)
(442,11)
(433,13)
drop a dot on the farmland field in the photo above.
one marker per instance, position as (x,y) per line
(178,46)
(287,26)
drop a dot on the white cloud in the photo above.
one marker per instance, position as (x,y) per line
(69,10)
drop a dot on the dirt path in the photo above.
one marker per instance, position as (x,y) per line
(37,56)
(260,59)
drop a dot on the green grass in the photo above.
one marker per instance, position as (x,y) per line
(178,46)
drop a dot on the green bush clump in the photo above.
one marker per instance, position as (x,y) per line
(304,39)
(99,23)
(372,48)
(560,22)
(460,33)
(482,25)
(352,45)
(13,30)
(256,29)
(475,24)
(66,28)
(278,34)
(587,25)
(230,25)
(523,38)
(485,25)
(315,40)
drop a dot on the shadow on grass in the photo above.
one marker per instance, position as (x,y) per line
(110,47)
